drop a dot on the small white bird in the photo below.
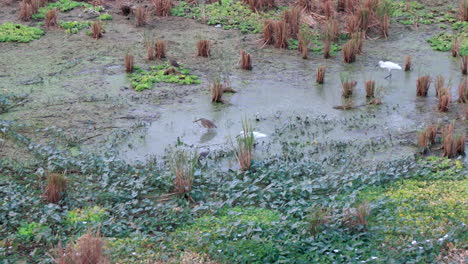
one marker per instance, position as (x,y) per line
(389,66)
(256,135)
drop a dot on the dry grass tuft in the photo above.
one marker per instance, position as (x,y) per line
(422,85)
(89,248)
(269,32)
(292,18)
(464,64)
(203,48)
(51,18)
(444,99)
(408,63)
(460,144)
(318,217)
(281,34)
(56,186)
(423,142)
(304,43)
(245,145)
(129,62)
(141,16)
(246,60)
(327,8)
(347,86)
(260,5)
(357,218)
(463,10)
(217,91)
(162,7)
(456,43)
(370,88)
(448,142)
(149,51)
(25,10)
(352,24)
(96,29)
(160,49)
(307,6)
(320,75)
(350,49)
(183,164)
(463,91)
(439,84)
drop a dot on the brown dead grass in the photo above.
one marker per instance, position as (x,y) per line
(320,75)
(370,88)
(408,63)
(162,7)
(246,60)
(463,10)
(129,62)
(88,249)
(464,64)
(51,18)
(347,88)
(463,91)
(56,186)
(217,91)
(160,49)
(439,84)
(456,42)
(141,16)
(203,48)
(96,29)
(25,10)
(292,18)
(422,85)
(260,5)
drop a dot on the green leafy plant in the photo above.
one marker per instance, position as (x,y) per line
(105,16)
(62,6)
(142,79)
(10,32)
(87,215)
(32,231)
(73,27)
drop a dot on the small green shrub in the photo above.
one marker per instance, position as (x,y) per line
(142,79)
(62,6)
(105,16)
(10,32)
(32,231)
(73,27)
(94,214)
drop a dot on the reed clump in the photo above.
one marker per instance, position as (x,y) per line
(347,86)
(56,187)
(160,49)
(129,62)
(422,85)
(217,91)
(246,60)
(96,29)
(89,248)
(408,63)
(463,91)
(370,88)
(162,7)
(183,164)
(141,16)
(51,18)
(203,48)
(320,75)
(245,146)
(464,64)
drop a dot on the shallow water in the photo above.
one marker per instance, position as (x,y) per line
(288,91)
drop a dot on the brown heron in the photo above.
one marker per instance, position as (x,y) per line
(206,123)
(173,63)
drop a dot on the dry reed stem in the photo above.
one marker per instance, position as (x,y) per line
(464,64)
(217,91)
(51,18)
(292,18)
(141,16)
(88,249)
(456,42)
(162,7)
(370,88)
(56,186)
(203,48)
(463,91)
(246,60)
(160,49)
(320,75)
(128,61)
(422,85)
(408,63)
(96,29)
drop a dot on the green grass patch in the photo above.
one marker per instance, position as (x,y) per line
(443,42)
(142,79)
(10,32)
(105,16)
(73,27)
(62,6)
(231,15)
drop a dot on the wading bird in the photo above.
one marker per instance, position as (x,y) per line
(173,63)
(205,123)
(389,66)
(256,135)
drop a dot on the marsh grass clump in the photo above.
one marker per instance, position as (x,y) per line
(318,217)
(89,248)
(327,8)
(463,10)
(281,35)
(96,29)
(260,5)
(439,84)
(357,218)
(292,18)
(370,88)
(51,18)
(149,50)
(203,48)
(423,141)
(456,43)
(246,60)
(269,32)
(217,91)
(56,187)
(25,10)
(320,75)
(162,7)
(463,91)
(160,49)
(129,62)
(307,6)
(183,165)
(352,47)
(304,44)
(245,145)
(347,86)
(422,85)
(444,99)
(408,63)
(460,144)
(141,16)
(448,141)
(464,64)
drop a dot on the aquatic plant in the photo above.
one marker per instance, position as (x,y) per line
(464,64)
(463,91)
(160,49)
(51,18)
(10,32)
(141,16)
(246,60)
(260,5)
(408,63)
(422,85)
(444,99)
(245,145)
(292,18)
(217,91)
(56,187)
(73,27)
(317,218)
(96,29)
(89,248)
(347,86)
(25,10)
(370,88)
(350,50)
(203,48)
(105,16)
(183,164)
(320,75)
(162,7)
(142,79)
(128,62)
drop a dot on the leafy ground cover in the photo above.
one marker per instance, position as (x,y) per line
(10,32)
(142,79)
(280,210)
(62,6)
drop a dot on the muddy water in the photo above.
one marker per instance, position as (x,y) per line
(273,97)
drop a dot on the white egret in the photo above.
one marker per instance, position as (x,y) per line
(389,66)
(256,135)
